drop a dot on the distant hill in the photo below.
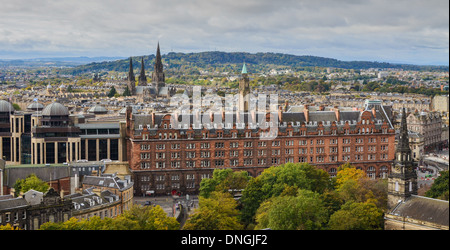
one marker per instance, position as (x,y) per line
(55,61)
(232,61)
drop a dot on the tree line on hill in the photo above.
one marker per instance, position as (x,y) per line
(232,62)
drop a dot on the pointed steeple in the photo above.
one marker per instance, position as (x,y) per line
(402,181)
(130,72)
(244,69)
(158,61)
(131,79)
(142,77)
(158,77)
(403,141)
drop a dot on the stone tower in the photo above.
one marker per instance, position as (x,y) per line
(158,77)
(131,80)
(244,91)
(142,77)
(402,182)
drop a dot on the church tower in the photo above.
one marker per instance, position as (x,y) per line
(158,77)
(244,91)
(402,182)
(131,80)
(142,77)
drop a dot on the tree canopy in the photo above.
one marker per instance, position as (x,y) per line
(219,212)
(137,218)
(31,182)
(440,187)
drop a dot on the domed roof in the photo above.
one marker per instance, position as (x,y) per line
(6,106)
(55,109)
(97,109)
(35,106)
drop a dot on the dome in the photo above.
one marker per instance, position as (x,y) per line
(55,109)
(6,106)
(97,109)
(35,106)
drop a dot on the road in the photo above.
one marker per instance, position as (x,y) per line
(167,203)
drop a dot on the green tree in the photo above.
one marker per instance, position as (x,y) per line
(16,107)
(112,92)
(440,187)
(305,211)
(137,218)
(274,180)
(357,216)
(31,182)
(224,180)
(219,212)
(126,92)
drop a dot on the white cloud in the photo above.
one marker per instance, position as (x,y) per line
(345,29)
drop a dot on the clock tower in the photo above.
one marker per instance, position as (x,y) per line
(402,182)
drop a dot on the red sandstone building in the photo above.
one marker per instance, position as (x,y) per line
(166,160)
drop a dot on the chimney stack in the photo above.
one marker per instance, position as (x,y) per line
(153,119)
(338,113)
(280,114)
(306,112)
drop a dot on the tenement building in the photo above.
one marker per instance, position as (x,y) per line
(166,157)
(428,124)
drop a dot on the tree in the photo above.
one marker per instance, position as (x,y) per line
(126,92)
(31,182)
(219,212)
(357,216)
(305,211)
(16,106)
(274,180)
(346,172)
(8,227)
(137,218)
(353,185)
(224,180)
(112,92)
(440,187)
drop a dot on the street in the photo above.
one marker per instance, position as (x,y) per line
(167,203)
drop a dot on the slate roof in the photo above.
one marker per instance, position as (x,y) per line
(12,203)
(106,181)
(424,209)
(43,172)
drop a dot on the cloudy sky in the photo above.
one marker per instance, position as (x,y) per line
(399,31)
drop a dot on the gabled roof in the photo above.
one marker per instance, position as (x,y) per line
(424,209)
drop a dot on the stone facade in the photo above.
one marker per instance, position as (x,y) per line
(428,124)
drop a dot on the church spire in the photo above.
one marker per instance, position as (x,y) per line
(403,141)
(158,77)
(142,77)
(130,72)
(131,80)
(158,61)
(402,181)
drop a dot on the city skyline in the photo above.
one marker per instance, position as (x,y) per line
(411,32)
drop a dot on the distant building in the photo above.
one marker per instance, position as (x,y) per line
(157,88)
(428,124)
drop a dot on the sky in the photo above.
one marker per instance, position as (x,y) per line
(396,31)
